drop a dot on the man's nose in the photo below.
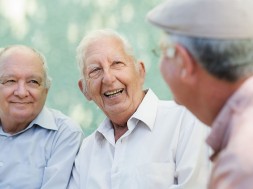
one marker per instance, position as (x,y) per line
(108,77)
(21,90)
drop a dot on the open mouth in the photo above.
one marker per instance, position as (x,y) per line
(111,94)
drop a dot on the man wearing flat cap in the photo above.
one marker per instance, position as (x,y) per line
(207,62)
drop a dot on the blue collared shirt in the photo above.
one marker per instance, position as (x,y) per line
(42,155)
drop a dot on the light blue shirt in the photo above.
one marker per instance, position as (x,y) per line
(42,155)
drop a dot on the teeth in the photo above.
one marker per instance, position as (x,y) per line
(114,92)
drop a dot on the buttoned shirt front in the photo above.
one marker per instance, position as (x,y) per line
(42,155)
(163,148)
(231,138)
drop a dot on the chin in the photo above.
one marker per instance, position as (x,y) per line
(177,101)
(23,115)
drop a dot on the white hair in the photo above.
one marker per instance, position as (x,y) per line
(94,36)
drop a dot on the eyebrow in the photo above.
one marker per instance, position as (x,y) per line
(39,78)
(6,75)
(12,75)
(3,77)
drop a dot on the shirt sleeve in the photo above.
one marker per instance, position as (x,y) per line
(192,155)
(74,182)
(60,164)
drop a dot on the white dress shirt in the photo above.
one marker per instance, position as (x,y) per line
(41,156)
(163,148)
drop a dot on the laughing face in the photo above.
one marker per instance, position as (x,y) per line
(22,89)
(113,80)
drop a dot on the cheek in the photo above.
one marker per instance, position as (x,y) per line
(7,92)
(170,74)
(93,88)
(40,97)
(165,70)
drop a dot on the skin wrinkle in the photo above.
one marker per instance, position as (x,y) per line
(109,69)
(22,89)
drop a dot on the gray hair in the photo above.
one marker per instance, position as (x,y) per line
(94,36)
(228,59)
(48,79)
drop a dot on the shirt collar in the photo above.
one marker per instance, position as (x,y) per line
(222,126)
(105,130)
(45,119)
(146,112)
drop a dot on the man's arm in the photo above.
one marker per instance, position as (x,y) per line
(60,164)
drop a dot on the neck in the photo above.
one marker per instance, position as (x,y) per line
(211,101)
(119,130)
(12,128)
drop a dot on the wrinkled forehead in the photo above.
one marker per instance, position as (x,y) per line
(104,44)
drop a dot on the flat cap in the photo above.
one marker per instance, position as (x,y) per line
(220,19)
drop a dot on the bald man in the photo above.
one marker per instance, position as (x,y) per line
(38,145)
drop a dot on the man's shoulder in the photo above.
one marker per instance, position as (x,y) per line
(90,140)
(170,105)
(63,122)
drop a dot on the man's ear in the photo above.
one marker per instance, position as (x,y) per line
(84,89)
(142,70)
(186,63)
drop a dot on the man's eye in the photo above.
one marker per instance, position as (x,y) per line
(8,82)
(95,72)
(117,64)
(34,82)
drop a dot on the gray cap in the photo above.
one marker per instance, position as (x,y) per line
(221,19)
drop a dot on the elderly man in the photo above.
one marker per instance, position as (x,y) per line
(144,142)
(38,145)
(208,63)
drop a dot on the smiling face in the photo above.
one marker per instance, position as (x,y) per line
(22,86)
(113,80)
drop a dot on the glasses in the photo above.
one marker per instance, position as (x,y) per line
(166,48)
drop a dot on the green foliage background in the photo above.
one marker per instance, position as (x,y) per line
(55,28)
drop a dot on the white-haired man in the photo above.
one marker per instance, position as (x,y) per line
(144,142)
(38,145)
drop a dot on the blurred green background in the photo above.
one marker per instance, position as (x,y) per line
(55,27)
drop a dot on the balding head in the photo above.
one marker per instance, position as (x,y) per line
(7,51)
